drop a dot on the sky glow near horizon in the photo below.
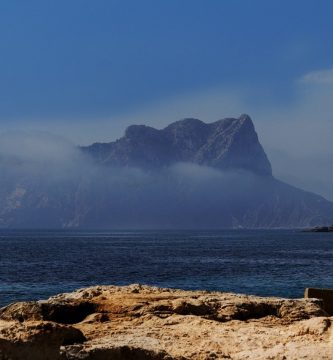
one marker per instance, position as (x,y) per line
(85,70)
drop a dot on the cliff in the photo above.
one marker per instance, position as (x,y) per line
(141,322)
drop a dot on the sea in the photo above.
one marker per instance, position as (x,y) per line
(36,264)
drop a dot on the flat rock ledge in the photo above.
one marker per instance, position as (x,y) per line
(141,322)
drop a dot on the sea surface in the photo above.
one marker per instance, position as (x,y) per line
(37,264)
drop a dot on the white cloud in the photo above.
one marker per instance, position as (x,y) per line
(318,77)
(36,147)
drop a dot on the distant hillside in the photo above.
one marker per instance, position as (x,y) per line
(188,175)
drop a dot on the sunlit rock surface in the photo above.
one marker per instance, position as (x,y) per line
(141,322)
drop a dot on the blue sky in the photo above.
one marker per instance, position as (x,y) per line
(86,69)
(83,58)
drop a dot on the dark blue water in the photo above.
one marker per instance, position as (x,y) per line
(37,264)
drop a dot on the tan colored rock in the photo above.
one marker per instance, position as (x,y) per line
(141,322)
(35,340)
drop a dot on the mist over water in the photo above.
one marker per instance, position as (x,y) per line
(49,181)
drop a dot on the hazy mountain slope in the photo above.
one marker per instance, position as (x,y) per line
(188,175)
(235,200)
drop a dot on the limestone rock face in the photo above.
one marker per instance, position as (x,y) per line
(225,144)
(141,322)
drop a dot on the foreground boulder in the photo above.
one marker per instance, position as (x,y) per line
(141,322)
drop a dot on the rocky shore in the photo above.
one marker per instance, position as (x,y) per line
(141,322)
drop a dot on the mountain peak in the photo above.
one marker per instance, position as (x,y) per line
(245,117)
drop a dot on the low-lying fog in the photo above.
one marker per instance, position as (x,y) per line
(42,171)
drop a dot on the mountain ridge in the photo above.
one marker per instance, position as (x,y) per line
(230,143)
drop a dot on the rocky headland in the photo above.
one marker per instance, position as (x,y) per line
(189,175)
(224,144)
(142,322)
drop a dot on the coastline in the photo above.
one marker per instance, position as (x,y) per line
(142,322)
